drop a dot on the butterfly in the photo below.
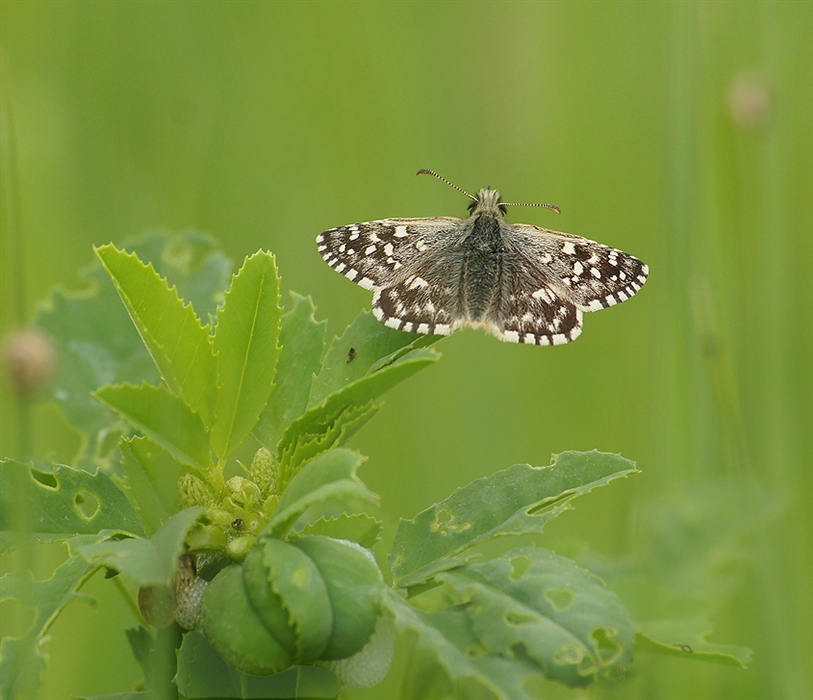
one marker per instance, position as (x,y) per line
(523,283)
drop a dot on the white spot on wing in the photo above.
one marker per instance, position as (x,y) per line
(401,232)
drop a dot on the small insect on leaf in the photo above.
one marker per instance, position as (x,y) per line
(523,283)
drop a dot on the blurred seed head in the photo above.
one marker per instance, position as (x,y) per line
(29,361)
(749,101)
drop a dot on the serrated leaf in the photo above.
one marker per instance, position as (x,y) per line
(48,502)
(163,417)
(686,637)
(514,501)
(192,261)
(21,659)
(563,616)
(302,338)
(149,562)
(450,651)
(318,431)
(151,485)
(247,348)
(175,338)
(95,337)
(360,351)
(329,477)
(356,527)
(202,673)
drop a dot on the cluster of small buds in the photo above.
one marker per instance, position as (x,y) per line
(193,491)
(236,511)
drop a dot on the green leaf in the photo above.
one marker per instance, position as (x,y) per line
(148,562)
(449,649)
(163,417)
(96,340)
(343,395)
(356,527)
(246,344)
(151,485)
(179,345)
(513,501)
(203,674)
(192,261)
(318,431)
(22,660)
(563,616)
(686,637)
(329,477)
(43,502)
(373,346)
(303,342)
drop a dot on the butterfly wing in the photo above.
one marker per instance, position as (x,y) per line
(411,265)
(531,308)
(591,275)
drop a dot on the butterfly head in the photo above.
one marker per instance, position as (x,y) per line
(487,202)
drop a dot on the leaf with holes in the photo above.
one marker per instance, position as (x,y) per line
(42,502)
(514,501)
(22,660)
(563,617)
(246,345)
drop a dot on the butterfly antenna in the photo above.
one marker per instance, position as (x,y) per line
(552,207)
(426,171)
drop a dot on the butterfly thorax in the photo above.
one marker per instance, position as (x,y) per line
(483,266)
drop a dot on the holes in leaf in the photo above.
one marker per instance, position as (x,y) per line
(476,651)
(560,598)
(46,479)
(517,619)
(446,522)
(86,504)
(568,655)
(519,565)
(609,649)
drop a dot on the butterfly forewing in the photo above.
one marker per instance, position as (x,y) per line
(375,254)
(592,275)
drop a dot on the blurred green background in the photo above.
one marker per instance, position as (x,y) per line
(680,132)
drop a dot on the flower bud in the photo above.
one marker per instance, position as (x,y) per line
(30,359)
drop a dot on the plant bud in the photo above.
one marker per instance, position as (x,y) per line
(30,359)
(193,491)
(264,471)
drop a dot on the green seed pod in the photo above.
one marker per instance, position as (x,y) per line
(354,586)
(290,596)
(233,628)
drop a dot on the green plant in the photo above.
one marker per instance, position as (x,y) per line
(258,579)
